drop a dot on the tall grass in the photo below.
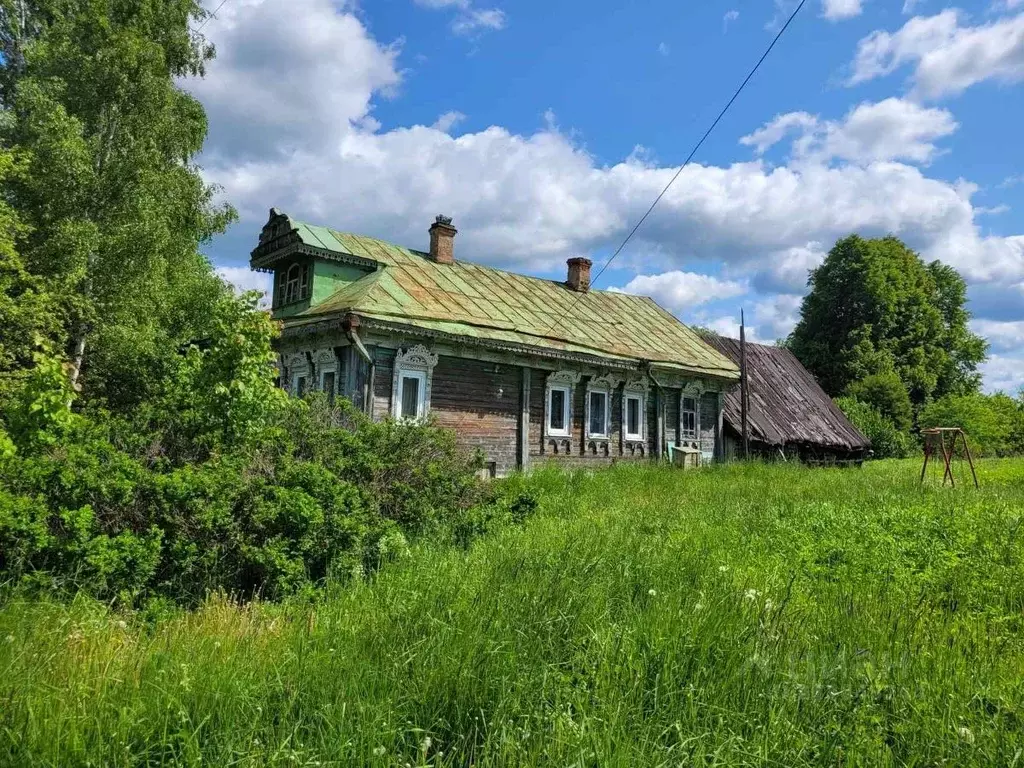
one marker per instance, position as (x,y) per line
(737,616)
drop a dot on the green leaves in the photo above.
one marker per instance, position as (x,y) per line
(876,308)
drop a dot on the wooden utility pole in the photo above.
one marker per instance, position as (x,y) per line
(744,391)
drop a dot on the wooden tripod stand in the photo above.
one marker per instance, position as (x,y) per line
(943,440)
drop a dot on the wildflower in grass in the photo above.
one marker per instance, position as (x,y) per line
(379,751)
(966,734)
(652,592)
(750,594)
(122,624)
(698,607)
(723,568)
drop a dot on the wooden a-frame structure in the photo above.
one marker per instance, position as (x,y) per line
(946,439)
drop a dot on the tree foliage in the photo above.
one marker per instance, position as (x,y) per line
(886,393)
(91,103)
(994,424)
(875,307)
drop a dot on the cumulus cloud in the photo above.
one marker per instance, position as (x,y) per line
(291,101)
(947,56)
(893,129)
(835,10)
(244,279)
(680,292)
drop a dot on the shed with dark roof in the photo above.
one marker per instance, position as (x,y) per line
(790,414)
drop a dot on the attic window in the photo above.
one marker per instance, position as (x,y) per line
(293,285)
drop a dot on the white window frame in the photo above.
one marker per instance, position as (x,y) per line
(605,385)
(566,411)
(416,362)
(693,392)
(563,381)
(635,390)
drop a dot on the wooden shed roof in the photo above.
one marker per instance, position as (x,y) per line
(786,403)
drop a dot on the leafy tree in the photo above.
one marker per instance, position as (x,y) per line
(90,101)
(887,394)
(875,307)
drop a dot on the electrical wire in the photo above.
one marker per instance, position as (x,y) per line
(693,152)
(211,16)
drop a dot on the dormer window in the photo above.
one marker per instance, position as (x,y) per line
(293,284)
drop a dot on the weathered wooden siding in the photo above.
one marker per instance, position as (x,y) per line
(480,402)
(708,423)
(384,367)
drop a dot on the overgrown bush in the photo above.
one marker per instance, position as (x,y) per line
(887,441)
(887,394)
(220,481)
(994,423)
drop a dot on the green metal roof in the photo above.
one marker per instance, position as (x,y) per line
(477,302)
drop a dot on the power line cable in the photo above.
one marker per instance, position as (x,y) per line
(211,16)
(699,144)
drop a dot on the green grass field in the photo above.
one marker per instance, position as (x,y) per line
(644,617)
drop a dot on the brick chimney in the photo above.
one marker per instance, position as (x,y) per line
(442,240)
(579,274)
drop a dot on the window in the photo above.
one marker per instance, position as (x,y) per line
(634,422)
(598,426)
(558,410)
(293,284)
(688,414)
(327,384)
(299,386)
(410,392)
(412,395)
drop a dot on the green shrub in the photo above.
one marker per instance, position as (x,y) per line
(886,393)
(994,424)
(887,442)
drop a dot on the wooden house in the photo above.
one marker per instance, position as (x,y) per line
(790,415)
(522,368)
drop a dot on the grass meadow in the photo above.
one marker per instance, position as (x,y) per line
(741,615)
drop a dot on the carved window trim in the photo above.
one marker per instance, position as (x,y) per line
(327,362)
(605,385)
(635,390)
(693,391)
(299,373)
(415,363)
(565,382)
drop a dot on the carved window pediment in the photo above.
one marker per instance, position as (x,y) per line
(412,381)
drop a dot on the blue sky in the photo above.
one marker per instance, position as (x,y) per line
(546,129)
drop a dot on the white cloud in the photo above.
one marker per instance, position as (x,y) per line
(663,49)
(730,16)
(1004,336)
(291,97)
(1012,181)
(474,21)
(909,6)
(893,129)
(835,10)
(947,56)
(1003,373)
(244,279)
(778,315)
(447,121)
(468,21)
(680,292)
